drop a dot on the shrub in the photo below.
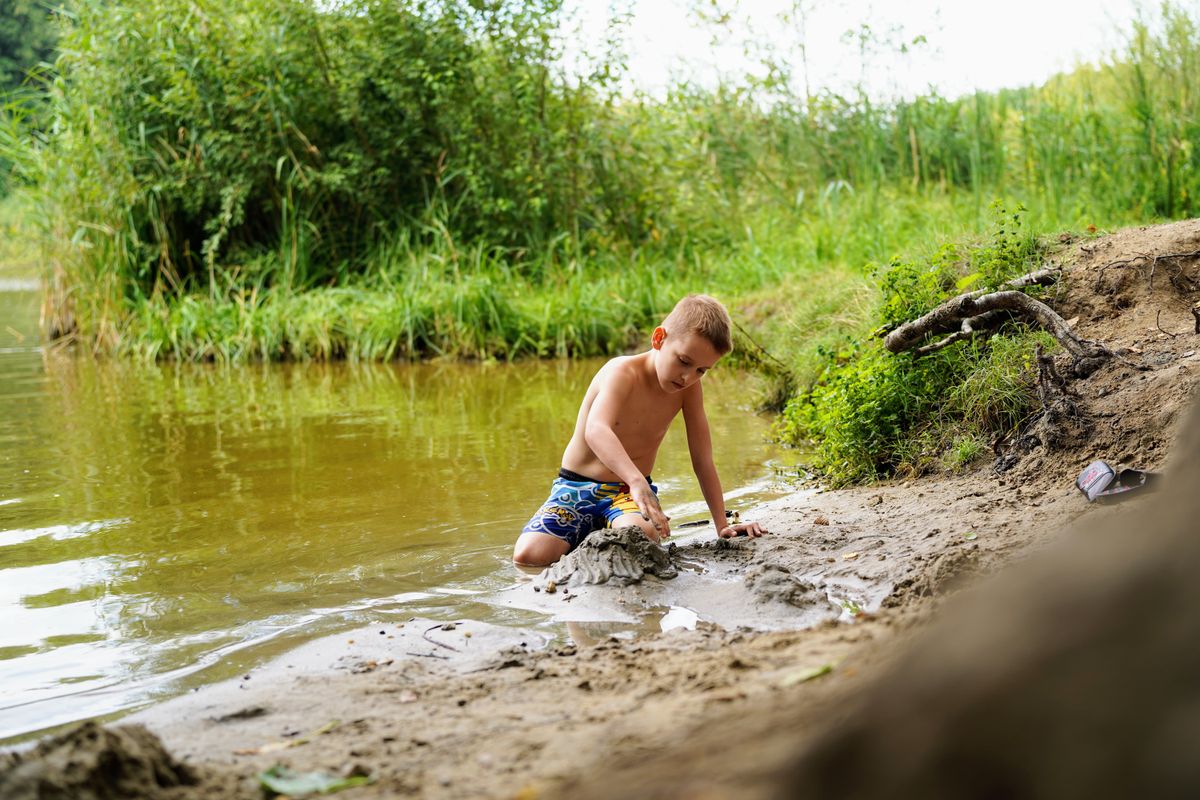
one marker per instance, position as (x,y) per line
(872,413)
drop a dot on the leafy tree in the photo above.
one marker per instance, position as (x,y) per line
(26,38)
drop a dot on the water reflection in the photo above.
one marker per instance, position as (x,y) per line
(157,519)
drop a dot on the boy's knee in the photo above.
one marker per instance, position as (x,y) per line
(538,550)
(637,521)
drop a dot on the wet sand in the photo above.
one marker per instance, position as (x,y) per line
(806,615)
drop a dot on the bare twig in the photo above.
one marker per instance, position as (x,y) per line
(1158,314)
(1042,277)
(425,636)
(761,349)
(1141,260)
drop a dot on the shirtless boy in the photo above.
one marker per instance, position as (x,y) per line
(605,475)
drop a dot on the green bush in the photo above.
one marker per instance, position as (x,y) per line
(209,149)
(872,413)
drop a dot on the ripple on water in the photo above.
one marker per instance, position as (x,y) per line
(165,526)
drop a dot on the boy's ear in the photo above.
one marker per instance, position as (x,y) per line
(658,337)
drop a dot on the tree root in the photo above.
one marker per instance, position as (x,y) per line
(1059,422)
(971,314)
(1140,261)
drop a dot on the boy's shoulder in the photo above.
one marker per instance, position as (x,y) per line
(623,377)
(621,368)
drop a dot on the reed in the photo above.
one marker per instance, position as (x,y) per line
(238,180)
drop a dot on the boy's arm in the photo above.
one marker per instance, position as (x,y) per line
(700,447)
(601,437)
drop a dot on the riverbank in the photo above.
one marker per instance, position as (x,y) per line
(869,567)
(527,719)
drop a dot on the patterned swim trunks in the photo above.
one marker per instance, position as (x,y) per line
(579,505)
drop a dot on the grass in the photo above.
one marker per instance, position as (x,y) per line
(19,253)
(795,296)
(233,193)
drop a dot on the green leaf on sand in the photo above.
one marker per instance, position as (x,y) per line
(800,676)
(281,780)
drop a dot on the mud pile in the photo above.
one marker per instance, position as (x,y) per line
(621,556)
(91,762)
(771,582)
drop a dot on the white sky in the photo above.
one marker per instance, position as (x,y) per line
(970,44)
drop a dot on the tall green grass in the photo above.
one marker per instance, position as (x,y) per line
(237,179)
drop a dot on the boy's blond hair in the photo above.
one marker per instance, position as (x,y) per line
(702,315)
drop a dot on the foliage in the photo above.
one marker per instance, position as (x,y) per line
(872,413)
(27,38)
(294,179)
(236,128)
(910,289)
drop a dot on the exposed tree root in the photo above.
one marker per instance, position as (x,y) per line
(1059,422)
(971,314)
(974,313)
(1179,279)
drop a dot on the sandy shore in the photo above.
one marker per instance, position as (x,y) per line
(505,712)
(805,616)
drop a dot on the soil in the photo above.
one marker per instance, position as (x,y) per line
(757,648)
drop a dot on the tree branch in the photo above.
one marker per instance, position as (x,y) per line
(1087,355)
(1042,277)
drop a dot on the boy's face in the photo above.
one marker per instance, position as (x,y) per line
(682,360)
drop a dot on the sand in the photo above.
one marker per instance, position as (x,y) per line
(806,617)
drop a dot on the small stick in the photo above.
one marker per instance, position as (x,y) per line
(1160,327)
(429,655)
(1196,314)
(761,349)
(425,636)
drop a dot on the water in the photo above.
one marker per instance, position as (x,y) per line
(167,526)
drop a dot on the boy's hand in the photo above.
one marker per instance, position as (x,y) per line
(647,503)
(751,529)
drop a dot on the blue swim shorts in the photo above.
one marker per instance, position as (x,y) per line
(579,505)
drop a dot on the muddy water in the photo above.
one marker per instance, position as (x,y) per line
(167,526)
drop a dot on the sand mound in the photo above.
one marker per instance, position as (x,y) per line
(773,582)
(91,762)
(622,556)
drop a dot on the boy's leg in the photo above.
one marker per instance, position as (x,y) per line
(624,513)
(637,521)
(537,549)
(559,525)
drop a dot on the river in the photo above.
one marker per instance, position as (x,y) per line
(164,526)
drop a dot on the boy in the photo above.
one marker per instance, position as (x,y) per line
(605,475)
